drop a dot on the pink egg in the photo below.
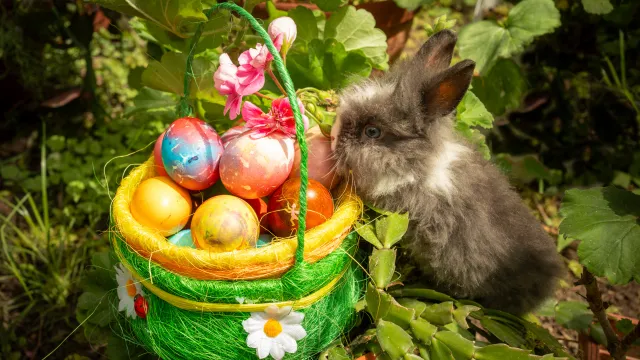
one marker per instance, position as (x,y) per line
(231,134)
(157,156)
(320,163)
(253,168)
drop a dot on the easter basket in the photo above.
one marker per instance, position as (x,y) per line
(289,299)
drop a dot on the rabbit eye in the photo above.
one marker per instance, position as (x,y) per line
(372,132)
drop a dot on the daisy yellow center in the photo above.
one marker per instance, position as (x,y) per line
(272,328)
(131,288)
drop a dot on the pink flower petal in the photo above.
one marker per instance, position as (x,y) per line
(251,111)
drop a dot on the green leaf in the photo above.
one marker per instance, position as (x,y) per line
(168,75)
(382,266)
(326,65)
(378,302)
(423,330)
(625,326)
(439,314)
(330,5)
(598,7)
(461,348)
(460,314)
(414,304)
(411,5)
(503,332)
(563,242)
(486,41)
(500,352)
(151,100)
(606,222)
(421,293)
(178,17)
(502,88)
(391,228)
(367,233)
(471,113)
(356,30)
(573,315)
(305,24)
(440,351)
(393,339)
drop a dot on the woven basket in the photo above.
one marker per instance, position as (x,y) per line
(198,300)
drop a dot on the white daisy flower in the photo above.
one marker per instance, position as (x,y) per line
(274,331)
(128,288)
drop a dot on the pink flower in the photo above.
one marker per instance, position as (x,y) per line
(251,69)
(227,83)
(283,31)
(279,119)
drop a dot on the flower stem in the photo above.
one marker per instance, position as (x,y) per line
(264,96)
(275,79)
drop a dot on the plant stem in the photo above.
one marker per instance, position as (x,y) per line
(597,307)
(43,181)
(264,96)
(275,79)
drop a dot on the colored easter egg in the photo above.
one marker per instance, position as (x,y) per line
(264,240)
(162,205)
(284,207)
(224,223)
(252,168)
(260,207)
(141,306)
(231,134)
(321,164)
(157,156)
(183,238)
(191,151)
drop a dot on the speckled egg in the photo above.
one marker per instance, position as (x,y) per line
(183,238)
(191,151)
(224,223)
(157,156)
(252,168)
(161,205)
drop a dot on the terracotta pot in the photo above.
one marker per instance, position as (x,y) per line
(393,20)
(591,350)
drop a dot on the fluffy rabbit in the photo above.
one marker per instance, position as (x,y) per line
(470,234)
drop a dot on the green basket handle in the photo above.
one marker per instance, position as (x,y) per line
(183,108)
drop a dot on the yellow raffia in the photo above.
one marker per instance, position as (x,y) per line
(253,263)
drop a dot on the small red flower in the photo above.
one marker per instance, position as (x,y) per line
(141,306)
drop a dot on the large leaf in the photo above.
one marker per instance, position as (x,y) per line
(599,7)
(472,113)
(573,315)
(606,222)
(486,41)
(178,17)
(501,89)
(151,100)
(356,30)
(326,65)
(305,23)
(329,5)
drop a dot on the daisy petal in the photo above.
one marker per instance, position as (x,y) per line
(255,338)
(272,312)
(294,318)
(295,331)
(277,352)
(252,325)
(264,347)
(287,342)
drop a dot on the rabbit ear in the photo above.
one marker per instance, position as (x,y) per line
(436,53)
(441,94)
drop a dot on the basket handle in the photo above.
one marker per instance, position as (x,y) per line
(183,108)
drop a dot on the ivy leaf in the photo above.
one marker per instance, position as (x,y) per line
(598,7)
(306,24)
(606,222)
(471,113)
(330,5)
(326,65)
(573,315)
(168,75)
(486,41)
(356,30)
(178,17)
(501,89)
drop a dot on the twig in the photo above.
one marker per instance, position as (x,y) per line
(275,79)
(616,348)
(263,96)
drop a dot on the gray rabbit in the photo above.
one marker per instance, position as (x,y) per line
(470,234)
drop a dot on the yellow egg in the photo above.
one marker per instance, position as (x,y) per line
(224,223)
(162,205)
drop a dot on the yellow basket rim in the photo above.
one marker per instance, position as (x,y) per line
(246,264)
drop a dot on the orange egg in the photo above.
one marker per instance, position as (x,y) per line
(162,205)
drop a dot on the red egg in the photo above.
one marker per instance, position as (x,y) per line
(321,164)
(260,207)
(284,207)
(231,134)
(141,306)
(157,156)
(252,168)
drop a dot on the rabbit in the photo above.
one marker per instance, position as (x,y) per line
(469,233)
